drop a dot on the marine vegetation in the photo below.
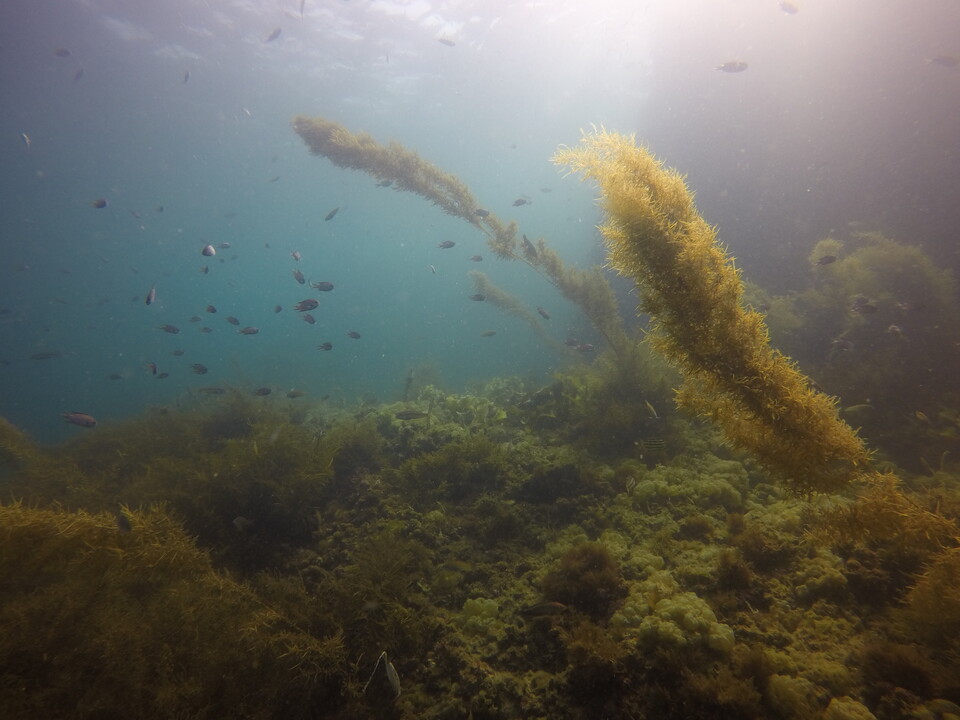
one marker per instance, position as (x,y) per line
(571,551)
(692,289)
(405,170)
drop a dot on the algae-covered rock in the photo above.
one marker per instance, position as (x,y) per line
(846,708)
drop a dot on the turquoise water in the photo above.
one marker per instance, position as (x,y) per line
(779,155)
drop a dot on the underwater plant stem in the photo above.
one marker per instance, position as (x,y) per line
(690,286)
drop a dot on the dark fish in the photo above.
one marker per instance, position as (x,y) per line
(305,305)
(476,258)
(159,208)
(353,334)
(195,318)
(262,392)
(172,329)
(211,390)
(864,309)
(733,66)
(325,346)
(385,183)
(585,347)
(295,394)
(177,353)
(653,445)
(789,8)
(163,376)
(480,212)
(322,286)
(273,35)
(410,415)
(79,418)
(543,313)
(488,333)
(199,369)
(826,260)
(249,330)
(947,61)
(277,308)
(186,76)
(296,255)
(62,52)
(571,342)
(232,320)
(331,214)
(544,609)
(99,203)
(116,376)
(224,246)
(298,276)
(77,75)
(446,244)
(529,248)
(152,367)
(446,41)
(208,251)
(478,297)
(520,201)
(206,330)
(46,355)
(308,318)
(205,270)
(210,309)
(123,522)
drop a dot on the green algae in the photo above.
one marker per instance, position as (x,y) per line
(432,540)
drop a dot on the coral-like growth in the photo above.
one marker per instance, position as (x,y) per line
(691,287)
(588,579)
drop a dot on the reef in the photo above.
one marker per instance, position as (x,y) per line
(567,551)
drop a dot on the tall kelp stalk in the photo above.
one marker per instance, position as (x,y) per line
(406,170)
(689,284)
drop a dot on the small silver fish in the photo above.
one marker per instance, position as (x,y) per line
(151,296)
(733,66)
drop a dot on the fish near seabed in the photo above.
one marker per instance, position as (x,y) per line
(79,418)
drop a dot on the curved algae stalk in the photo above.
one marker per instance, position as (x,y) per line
(510,304)
(689,284)
(406,170)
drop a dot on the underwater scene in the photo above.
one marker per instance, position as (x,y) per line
(480,359)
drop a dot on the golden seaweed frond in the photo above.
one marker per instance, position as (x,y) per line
(406,170)
(690,285)
(395,163)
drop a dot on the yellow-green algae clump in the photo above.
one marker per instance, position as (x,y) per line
(693,291)
(96,618)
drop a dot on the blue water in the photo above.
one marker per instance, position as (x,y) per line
(840,117)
